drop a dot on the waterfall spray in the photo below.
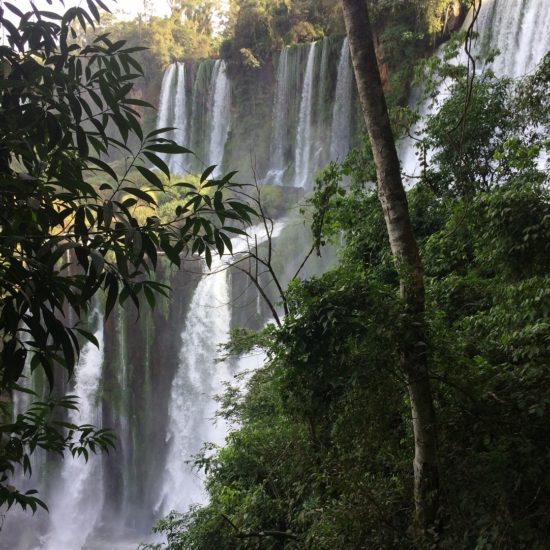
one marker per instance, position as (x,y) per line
(78,500)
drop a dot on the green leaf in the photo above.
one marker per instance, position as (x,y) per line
(168,148)
(151,177)
(158,162)
(140,194)
(112,295)
(207,173)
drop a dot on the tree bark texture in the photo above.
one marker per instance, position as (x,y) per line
(405,251)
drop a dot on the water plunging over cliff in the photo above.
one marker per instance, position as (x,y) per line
(181,123)
(157,375)
(311,124)
(199,378)
(519,30)
(304,132)
(200,112)
(341,114)
(280,120)
(165,106)
(77,501)
(221,114)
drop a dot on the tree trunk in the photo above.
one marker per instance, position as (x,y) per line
(405,251)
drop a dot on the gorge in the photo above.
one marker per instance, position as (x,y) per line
(154,377)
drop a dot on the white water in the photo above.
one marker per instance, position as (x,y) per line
(321,154)
(519,29)
(198,379)
(77,502)
(164,110)
(177,164)
(280,121)
(221,114)
(341,114)
(303,176)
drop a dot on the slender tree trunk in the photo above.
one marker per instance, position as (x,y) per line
(405,251)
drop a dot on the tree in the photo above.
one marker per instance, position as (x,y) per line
(405,251)
(64,107)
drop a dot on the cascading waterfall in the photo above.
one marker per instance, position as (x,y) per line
(200,93)
(280,120)
(198,379)
(177,164)
(312,103)
(520,31)
(221,112)
(304,133)
(165,105)
(322,122)
(200,114)
(308,112)
(78,500)
(146,398)
(341,115)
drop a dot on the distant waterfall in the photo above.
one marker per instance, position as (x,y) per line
(164,117)
(322,119)
(341,114)
(309,94)
(280,120)
(221,112)
(78,500)
(304,134)
(200,113)
(177,162)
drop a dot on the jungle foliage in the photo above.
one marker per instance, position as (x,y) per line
(320,454)
(70,227)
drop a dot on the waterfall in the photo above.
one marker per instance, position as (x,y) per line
(165,106)
(160,405)
(322,123)
(520,30)
(200,110)
(304,135)
(341,114)
(78,499)
(221,111)
(200,113)
(280,120)
(180,120)
(312,108)
(198,379)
